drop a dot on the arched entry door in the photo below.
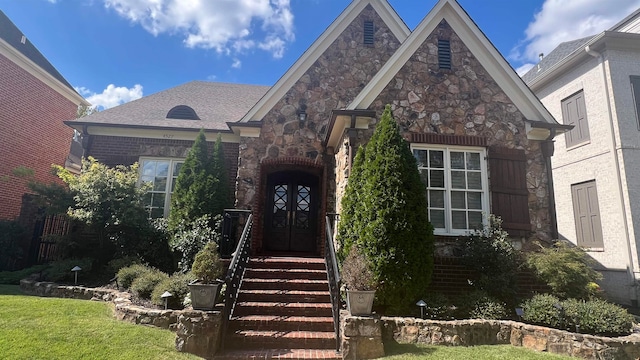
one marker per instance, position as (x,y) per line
(291,212)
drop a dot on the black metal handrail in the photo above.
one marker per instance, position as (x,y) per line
(231,226)
(333,275)
(235,274)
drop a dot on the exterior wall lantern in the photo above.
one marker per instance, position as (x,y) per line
(302,113)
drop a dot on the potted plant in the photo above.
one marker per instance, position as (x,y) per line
(207,269)
(360,282)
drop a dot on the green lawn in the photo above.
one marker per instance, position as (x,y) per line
(485,352)
(50,328)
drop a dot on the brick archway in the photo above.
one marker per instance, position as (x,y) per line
(290,163)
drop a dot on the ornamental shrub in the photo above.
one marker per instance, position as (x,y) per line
(207,266)
(127,275)
(177,285)
(191,237)
(597,317)
(566,270)
(143,285)
(385,210)
(11,234)
(491,255)
(60,270)
(356,272)
(479,305)
(439,307)
(219,197)
(542,309)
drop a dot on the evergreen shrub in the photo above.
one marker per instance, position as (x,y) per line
(143,285)
(479,305)
(127,275)
(177,285)
(439,307)
(597,317)
(207,266)
(542,309)
(566,270)
(60,270)
(11,234)
(384,213)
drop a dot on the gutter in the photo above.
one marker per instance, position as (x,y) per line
(614,152)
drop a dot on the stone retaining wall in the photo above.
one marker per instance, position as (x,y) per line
(362,337)
(197,332)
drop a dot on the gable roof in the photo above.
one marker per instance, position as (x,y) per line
(214,103)
(10,33)
(384,10)
(488,56)
(562,51)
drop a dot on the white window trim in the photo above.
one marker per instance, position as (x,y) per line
(448,230)
(172,161)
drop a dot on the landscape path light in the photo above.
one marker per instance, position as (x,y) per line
(520,313)
(166,295)
(422,305)
(75,272)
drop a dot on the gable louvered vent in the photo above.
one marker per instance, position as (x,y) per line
(444,54)
(369,30)
(182,112)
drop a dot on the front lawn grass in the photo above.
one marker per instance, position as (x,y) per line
(50,328)
(484,352)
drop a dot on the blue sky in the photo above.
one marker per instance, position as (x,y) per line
(115,51)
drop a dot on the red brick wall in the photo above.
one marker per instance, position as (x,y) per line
(31,132)
(116,150)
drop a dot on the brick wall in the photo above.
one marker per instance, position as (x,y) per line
(32,135)
(117,150)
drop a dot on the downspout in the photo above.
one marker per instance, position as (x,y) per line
(614,152)
(547,153)
(351,134)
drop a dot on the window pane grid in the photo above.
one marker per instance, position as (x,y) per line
(456,188)
(161,175)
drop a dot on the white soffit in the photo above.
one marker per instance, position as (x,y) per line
(488,56)
(384,10)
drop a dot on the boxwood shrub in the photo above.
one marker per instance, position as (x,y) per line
(541,310)
(143,285)
(127,275)
(177,285)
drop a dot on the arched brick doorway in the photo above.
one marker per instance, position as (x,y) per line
(291,207)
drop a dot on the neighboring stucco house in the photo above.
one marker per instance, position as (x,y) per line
(481,137)
(34,101)
(594,84)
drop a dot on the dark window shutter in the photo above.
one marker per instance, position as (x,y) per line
(586,213)
(444,54)
(369,31)
(574,112)
(509,193)
(635,89)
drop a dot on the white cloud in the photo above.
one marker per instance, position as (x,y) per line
(111,96)
(564,20)
(237,64)
(226,26)
(522,69)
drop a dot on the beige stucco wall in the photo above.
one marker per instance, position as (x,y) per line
(596,160)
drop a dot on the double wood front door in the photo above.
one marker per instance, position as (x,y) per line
(291,212)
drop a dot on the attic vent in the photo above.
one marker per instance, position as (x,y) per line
(182,112)
(444,54)
(23,39)
(369,30)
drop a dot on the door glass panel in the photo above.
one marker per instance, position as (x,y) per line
(303,206)
(279,206)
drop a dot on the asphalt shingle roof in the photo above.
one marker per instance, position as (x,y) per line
(560,52)
(10,33)
(214,103)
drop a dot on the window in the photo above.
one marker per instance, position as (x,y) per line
(586,213)
(456,181)
(444,54)
(161,174)
(182,112)
(574,113)
(635,91)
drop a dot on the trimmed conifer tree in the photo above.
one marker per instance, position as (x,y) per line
(191,195)
(385,208)
(219,197)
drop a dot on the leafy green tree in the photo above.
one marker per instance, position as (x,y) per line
(350,226)
(194,185)
(219,197)
(389,218)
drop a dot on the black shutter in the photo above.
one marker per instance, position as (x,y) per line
(509,193)
(635,89)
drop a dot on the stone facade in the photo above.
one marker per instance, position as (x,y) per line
(327,85)
(363,337)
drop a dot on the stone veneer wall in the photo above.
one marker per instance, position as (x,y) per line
(330,83)
(363,337)
(197,332)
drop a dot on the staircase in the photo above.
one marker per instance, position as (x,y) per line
(283,312)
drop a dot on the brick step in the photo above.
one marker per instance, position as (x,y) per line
(286,263)
(273,295)
(284,284)
(281,323)
(308,274)
(252,339)
(283,309)
(277,354)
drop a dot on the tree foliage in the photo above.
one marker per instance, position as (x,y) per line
(385,215)
(219,198)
